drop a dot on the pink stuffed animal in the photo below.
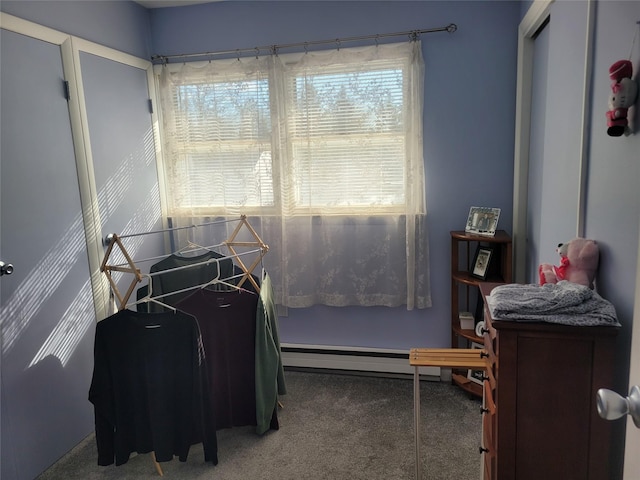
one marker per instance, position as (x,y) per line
(578,263)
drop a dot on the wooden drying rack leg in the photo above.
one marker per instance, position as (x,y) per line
(156,464)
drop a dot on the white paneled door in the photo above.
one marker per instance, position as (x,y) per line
(46,309)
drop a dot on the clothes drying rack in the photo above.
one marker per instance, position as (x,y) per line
(114,244)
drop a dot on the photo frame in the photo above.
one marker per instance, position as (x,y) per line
(481,261)
(476,376)
(482,221)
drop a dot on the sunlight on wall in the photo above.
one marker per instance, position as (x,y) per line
(113,194)
(74,323)
(43,281)
(144,220)
(40,284)
(64,339)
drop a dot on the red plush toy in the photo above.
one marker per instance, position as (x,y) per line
(623,96)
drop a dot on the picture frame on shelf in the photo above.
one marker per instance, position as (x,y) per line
(476,376)
(481,262)
(482,221)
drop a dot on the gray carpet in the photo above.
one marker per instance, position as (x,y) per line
(332,427)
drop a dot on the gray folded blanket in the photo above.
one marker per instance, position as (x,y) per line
(564,302)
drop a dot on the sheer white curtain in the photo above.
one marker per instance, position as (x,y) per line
(323,153)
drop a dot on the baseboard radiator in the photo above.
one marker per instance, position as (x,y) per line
(355,359)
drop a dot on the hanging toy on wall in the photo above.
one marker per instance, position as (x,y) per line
(623,95)
(624,91)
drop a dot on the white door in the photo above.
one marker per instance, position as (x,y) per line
(46,312)
(632,445)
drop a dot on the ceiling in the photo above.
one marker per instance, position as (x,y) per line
(171,3)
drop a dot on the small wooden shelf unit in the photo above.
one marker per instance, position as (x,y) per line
(465,295)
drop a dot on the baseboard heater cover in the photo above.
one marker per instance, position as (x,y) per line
(355,359)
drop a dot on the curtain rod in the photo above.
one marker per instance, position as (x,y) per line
(273,49)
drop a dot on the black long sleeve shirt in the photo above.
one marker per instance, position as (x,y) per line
(149,388)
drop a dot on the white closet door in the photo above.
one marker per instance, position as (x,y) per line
(632,443)
(123,154)
(47,315)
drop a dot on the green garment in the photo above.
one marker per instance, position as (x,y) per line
(269,370)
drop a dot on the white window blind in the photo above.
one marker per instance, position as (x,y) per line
(347,137)
(221,139)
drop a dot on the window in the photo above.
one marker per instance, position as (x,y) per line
(221,142)
(298,136)
(347,137)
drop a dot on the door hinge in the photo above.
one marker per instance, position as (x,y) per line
(150,106)
(67,91)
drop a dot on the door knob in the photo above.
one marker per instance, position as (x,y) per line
(612,406)
(5,269)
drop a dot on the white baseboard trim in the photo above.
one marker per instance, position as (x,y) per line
(356,359)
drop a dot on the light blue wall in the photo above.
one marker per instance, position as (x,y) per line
(612,203)
(613,196)
(469,124)
(613,200)
(122,25)
(468,127)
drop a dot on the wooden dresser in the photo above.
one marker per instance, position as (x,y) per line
(540,420)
